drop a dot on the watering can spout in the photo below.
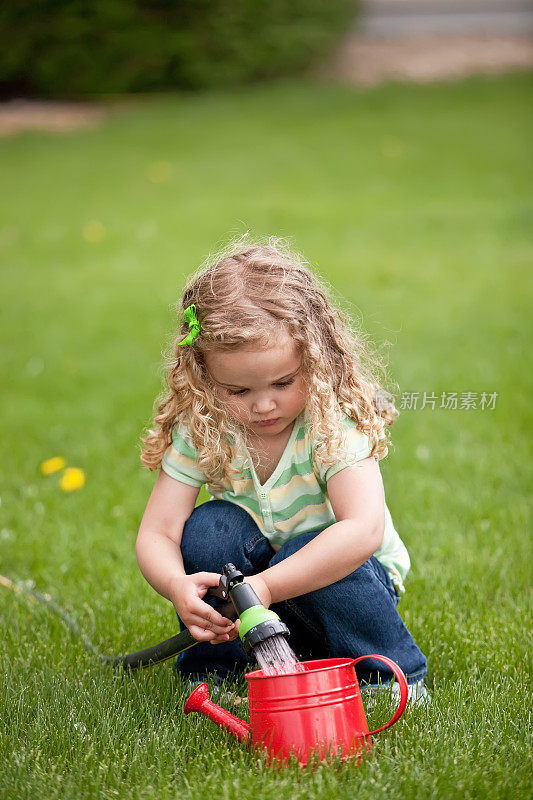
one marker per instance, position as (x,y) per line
(200,701)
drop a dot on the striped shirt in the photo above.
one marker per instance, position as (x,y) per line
(294,499)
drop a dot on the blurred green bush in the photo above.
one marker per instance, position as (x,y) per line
(69,48)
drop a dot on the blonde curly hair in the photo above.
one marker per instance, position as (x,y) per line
(245,296)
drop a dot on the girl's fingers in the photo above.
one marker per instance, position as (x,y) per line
(206,624)
(204,635)
(211,617)
(220,639)
(208,579)
(200,634)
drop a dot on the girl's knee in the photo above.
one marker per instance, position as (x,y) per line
(199,540)
(216,517)
(213,535)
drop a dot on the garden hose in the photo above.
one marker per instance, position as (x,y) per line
(257,622)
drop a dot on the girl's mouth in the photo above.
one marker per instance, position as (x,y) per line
(265,422)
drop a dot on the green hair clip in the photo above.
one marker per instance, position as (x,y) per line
(194,325)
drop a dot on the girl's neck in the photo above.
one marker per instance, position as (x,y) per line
(265,444)
(266,453)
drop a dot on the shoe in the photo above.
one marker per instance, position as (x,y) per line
(418,694)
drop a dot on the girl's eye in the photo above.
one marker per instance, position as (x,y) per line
(287,383)
(279,385)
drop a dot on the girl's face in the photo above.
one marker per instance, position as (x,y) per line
(260,386)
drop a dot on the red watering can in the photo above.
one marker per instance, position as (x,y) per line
(314,712)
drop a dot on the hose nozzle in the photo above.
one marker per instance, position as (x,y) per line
(257,622)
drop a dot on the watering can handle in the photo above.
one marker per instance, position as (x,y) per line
(404,689)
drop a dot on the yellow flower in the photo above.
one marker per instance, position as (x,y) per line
(53,465)
(73,478)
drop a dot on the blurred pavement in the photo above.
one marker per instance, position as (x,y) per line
(431,40)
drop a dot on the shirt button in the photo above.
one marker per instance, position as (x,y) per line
(267,512)
(263,494)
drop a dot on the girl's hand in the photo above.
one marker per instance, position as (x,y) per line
(204,623)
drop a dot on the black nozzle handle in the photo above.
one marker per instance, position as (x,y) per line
(241,594)
(220,591)
(233,576)
(227,609)
(230,577)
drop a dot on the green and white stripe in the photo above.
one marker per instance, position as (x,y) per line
(294,500)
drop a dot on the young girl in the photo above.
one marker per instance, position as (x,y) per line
(272,406)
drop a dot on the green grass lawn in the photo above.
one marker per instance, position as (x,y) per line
(414,204)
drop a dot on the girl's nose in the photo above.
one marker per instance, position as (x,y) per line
(263,405)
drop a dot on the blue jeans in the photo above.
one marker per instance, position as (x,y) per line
(352,617)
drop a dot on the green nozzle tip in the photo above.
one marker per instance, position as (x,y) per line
(251,617)
(257,622)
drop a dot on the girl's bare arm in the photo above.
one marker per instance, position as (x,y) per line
(170,505)
(357,498)
(159,557)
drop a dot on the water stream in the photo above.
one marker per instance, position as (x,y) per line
(276,657)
